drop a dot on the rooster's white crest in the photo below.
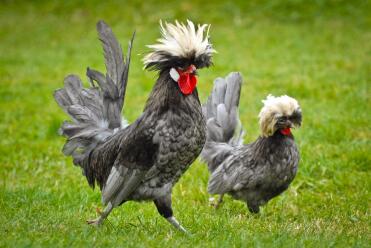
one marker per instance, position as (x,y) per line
(182,41)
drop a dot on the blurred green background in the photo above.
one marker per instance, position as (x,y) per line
(316,51)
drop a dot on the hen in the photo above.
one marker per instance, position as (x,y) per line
(141,161)
(255,172)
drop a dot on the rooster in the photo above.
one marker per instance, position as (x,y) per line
(144,160)
(258,171)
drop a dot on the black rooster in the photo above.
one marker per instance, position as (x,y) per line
(261,170)
(141,161)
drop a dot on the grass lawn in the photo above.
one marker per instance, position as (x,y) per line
(319,53)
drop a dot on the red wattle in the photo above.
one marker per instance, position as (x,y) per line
(285,131)
(187,83)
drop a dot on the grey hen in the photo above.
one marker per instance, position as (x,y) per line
(141,161)
(255,172)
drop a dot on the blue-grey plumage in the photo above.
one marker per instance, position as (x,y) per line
(258,171)
(143,160)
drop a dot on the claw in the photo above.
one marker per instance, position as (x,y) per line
(96,222)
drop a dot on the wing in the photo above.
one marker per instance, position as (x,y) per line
(234,173)
(121,182)
(136,156)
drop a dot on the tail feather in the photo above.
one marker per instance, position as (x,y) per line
(116,65)
(73,86)
(69,94)
(95,111)
(110,98)
(224,130)
(92,99)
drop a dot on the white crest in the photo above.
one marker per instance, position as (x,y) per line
(180,40)
(275,107)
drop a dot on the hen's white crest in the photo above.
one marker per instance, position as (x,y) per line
(275,107)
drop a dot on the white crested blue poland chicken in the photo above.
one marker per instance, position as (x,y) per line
(254,172)
(144,160)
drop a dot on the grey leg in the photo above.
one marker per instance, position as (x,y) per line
(164,208)
(97,222)
(253,208)
(219,202)
(176,224)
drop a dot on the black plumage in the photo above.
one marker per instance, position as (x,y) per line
(143,160)
(258,171)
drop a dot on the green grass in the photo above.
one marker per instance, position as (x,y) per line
(316,51)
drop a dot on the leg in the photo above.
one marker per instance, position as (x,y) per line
(104,214)
(219,202)
(253,207)
(164,208)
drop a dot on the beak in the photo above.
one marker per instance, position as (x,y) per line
(289,124)
(191,69)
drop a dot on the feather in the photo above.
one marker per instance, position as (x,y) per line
(82,114)
(223,124)
(108,89)
(70,129)
(73,87)
(180,40)
(62,98)
(219,90)
(232,94)
(120,184)
(92,99)
(222,105)
(214,131)
(95,111)
(117,68)
(112,52)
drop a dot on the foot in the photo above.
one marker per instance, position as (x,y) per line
(218,203)
(176,224)
(97,222)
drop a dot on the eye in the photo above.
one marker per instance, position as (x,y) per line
(295,116)
(282,119)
